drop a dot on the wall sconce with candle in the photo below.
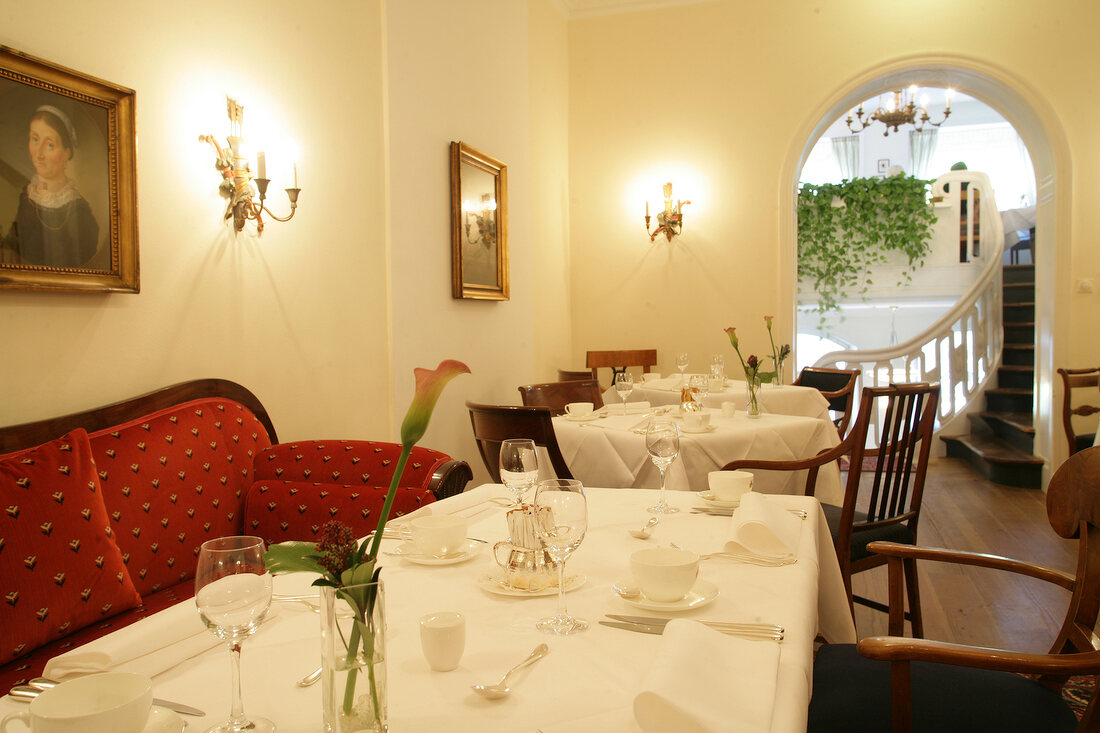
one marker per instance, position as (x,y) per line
(237,178)
(671,220)
(483,217)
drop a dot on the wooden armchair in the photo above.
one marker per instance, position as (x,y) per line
(1078,379)
(890,683)
(556,395)
(572,375)
(620,361)
(494,424)
(887,483)
(837,386)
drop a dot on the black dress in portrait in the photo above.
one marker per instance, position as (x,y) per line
(62,236)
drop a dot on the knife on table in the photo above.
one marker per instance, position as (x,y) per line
(26,693)
(662,622)
(658,629)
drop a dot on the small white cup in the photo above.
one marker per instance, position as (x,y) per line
(438,534)
(697,420)
(664,574)
(729,485)
(729,409)
(443,639)
(579,409)
(118,702)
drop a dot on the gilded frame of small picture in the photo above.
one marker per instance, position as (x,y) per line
(479,225)
(68,180)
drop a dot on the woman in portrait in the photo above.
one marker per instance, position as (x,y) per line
(54,224)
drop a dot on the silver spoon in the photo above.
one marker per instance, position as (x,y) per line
(646,530)
(501,689)
(310,678)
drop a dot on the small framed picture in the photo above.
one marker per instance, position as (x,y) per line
(883,164)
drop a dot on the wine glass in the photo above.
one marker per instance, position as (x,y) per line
(718,367)
(561,513)
(233,593)
(519,467)
(700,388)
(662,441)
(624,385)
(682,364)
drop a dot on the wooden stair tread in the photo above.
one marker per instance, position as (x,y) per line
(1022,421)
(1019,324)
(1018,285)
(1010,390)
(995,449)
(1021,303)
(1016,368)
(1022,347)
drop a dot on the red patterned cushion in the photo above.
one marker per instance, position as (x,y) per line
(353,462)
(279,511)
(59,568)
(174,479)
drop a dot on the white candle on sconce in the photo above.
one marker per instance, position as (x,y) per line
(261,164)
(295,175)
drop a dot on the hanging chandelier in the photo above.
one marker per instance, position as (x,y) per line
(902,110)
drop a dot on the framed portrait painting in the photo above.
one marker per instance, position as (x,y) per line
(479,225)
(68,188)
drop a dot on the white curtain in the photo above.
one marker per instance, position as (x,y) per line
(1027,198)
(922,145)
(846,152)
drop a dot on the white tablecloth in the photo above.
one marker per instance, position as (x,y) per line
(586,683)
(780,399)
(609,452)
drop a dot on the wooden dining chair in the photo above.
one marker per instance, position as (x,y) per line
(1077,380)
(556,395)
(572,375)
(494,424)
(885,483)
(837,386)
(889,683)
(620,361)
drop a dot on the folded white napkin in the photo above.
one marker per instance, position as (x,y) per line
(734,692)
(148,647)
(760,527)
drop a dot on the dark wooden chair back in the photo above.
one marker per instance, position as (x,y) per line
(494,424)
(1074,380)
(837,386)
(620,361)
(572,375)
(556,395)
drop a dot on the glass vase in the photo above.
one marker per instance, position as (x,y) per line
(753,401)
(353,658)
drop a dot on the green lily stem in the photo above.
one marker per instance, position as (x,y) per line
(406,449)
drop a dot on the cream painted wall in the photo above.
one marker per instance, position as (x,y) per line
(466,71)
(715,92)
(297,316)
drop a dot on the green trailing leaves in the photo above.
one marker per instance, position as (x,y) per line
(845,229)
(293,557)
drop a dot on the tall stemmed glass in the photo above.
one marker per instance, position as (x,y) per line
(662,440)
(700,388)
(233,593)
(624,385)
(561,512)
(682,364)
(519,467)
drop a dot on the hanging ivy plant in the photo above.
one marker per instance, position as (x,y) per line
(847,228)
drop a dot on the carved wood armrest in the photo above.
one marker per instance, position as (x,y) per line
(977,559)
(900,649)
(450,478)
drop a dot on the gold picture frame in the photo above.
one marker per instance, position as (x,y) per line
(479,225)
(68,180)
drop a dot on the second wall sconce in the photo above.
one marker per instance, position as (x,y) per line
(670,221)
(237,178)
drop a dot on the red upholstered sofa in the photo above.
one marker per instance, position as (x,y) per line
(104,510)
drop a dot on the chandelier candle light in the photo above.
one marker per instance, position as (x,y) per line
(902,109)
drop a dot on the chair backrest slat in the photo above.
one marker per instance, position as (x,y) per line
(1073,380)
(493,424)
(619,361)
(556,395)
(837,386)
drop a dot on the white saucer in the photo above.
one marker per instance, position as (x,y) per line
(163,720)
(407,551)
(704,429)
(708,497)
(582,418)
(493,582)
(702,593)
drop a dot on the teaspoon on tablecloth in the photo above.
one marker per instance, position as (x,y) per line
(501,689)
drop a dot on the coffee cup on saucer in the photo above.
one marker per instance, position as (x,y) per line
(438,534)
(119,702)
(696,421)
(729,485)
(664,574)
(579,409)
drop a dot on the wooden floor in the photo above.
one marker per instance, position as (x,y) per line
(961,510)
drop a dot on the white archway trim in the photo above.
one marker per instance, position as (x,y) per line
(1041,130)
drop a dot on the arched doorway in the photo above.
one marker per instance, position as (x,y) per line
(1046,144)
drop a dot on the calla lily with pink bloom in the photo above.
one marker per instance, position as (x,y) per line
(429,385)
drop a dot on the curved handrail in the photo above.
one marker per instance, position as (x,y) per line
(962,347)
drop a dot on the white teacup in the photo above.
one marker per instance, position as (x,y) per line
(697,420)
(118,702)
(729,409)
(579,409)
(664,574)
(729,485)
(443,639)
(438,534)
